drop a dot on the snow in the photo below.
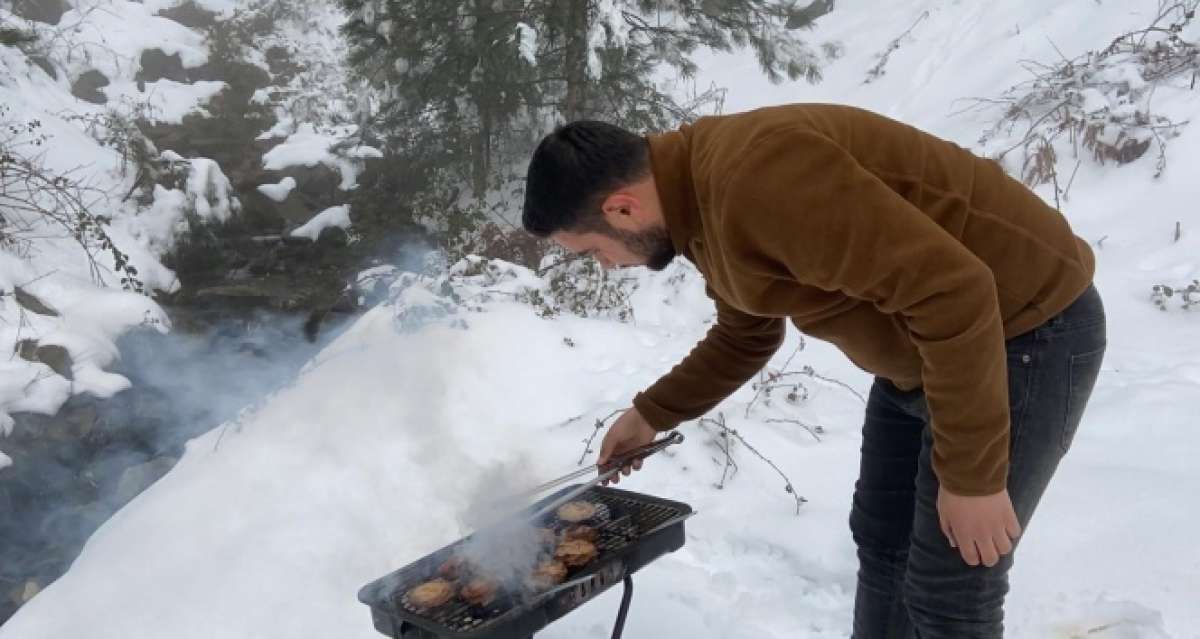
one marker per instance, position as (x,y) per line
(5,460)
(338,216)
(165,101)
(93,310)
(527,43)
(369,459)
(308,147)
(278,192)
(209,191)
(89,321)
(110,37)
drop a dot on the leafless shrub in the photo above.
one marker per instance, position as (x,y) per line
(579,286)
(772,382)
(1098,103)
(37,202)
(1189,295)
(724,439)
(877,71)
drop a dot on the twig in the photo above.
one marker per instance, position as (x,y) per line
(761,386)
(877,71)
(599,426)
(809,371)
(1067,193)
(730,466)
(726,432)
(815,430)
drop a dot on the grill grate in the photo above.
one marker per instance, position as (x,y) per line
(623,519)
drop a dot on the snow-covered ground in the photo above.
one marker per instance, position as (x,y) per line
(268,526)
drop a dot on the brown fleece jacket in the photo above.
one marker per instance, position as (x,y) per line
(914,257)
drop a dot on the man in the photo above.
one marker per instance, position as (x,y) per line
(966,296)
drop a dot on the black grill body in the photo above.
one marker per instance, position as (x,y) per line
(633,530)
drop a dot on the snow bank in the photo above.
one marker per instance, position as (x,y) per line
(338,216)
(278,192)
(308,147)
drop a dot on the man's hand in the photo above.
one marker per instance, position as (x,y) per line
(982,528)
(628,432)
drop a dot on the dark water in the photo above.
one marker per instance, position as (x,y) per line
(73,470)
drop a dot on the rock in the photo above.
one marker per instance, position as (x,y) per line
(80,419)
(57,358)
(270,216)
(26,349)
(87,87)
(243,78)
(332,238)
(157,65)
(30,590)
(190,15)
(282,64)
(32,303)
(48,11)
(45,65)
(52,355)
(136,479)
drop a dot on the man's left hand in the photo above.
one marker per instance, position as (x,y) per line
(982,528)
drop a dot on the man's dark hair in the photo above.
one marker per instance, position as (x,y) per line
(573,169)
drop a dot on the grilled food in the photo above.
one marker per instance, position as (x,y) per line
(579,532)
(431,594)
(575,553)
(548,573)
(576,511)
(453,568)
(480,591)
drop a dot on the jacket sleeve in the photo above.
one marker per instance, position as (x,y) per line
(732,351)
(853,234)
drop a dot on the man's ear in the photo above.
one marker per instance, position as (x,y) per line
(621,211)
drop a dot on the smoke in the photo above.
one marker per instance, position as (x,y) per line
(76,468)
(504,547)
(73,470)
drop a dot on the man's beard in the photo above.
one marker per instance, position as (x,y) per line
(654,245)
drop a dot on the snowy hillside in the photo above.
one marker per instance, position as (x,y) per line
(269,525)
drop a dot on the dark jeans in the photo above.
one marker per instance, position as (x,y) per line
(911,583)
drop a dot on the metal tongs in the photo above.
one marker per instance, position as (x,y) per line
(606,472)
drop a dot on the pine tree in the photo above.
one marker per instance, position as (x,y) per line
(466,87)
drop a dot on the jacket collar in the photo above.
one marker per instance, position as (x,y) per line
(670,163)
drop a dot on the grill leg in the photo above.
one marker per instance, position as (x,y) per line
(623,611)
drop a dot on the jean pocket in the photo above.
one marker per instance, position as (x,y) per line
(1082,372)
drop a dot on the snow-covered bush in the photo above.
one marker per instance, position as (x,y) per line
(1098,102)
(579,286)
(570,286)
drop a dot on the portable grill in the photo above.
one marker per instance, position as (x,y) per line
(633,529)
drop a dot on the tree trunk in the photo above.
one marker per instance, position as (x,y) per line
(576,32)
(481,140)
